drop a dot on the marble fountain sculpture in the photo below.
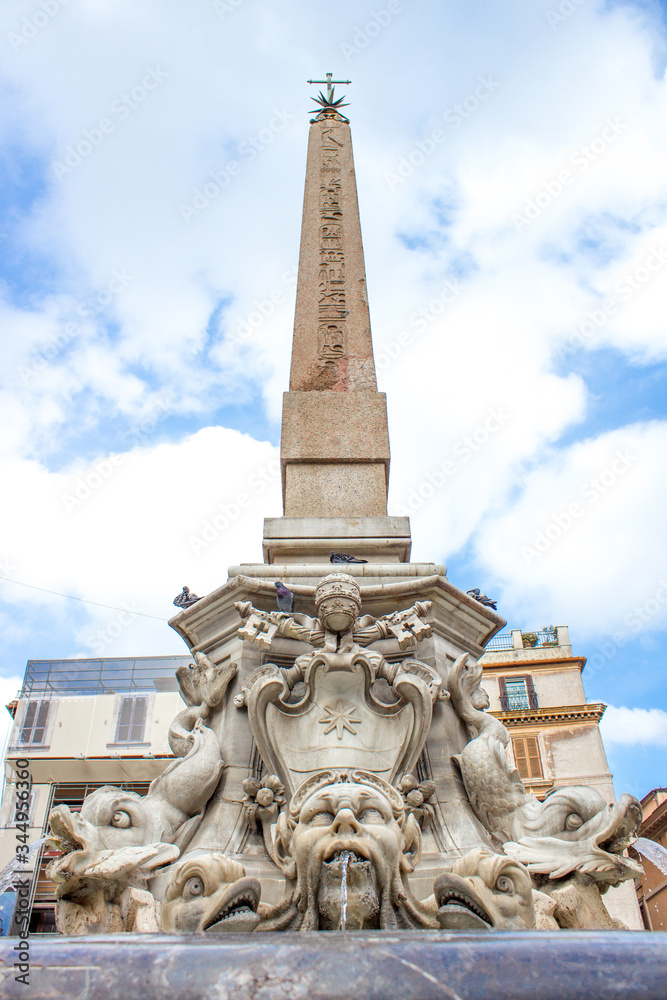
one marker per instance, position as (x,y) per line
(335,769)
(379,796)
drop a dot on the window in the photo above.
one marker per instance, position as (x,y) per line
(131,720)
(517,693)
(527,757)
(34,723)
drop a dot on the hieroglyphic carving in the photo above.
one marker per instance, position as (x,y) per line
(332,308)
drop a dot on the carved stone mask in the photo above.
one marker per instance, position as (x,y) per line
(485,890)
(210,893)
(356,829)
(118,819)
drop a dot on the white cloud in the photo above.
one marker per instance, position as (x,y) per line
(584,536)
(524,291)
(128,530)
(634,726)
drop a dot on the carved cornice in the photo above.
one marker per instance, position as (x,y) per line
(517,663)
(552,716)
(655,825)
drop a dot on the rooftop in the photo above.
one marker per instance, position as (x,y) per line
(108,675)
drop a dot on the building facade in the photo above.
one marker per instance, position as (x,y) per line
(79,724)
(652,888)
(535,687)
(534,682)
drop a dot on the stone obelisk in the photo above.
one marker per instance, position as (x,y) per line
(335,441)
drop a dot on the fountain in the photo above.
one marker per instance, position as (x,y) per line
(654,852)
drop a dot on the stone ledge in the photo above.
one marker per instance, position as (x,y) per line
(394,965)
(278,571)
(310,539)
(592,712)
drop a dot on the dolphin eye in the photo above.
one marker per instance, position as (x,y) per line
(371,816)
(193,887)
(121,819)
(573,821)
(504,884)
(322,819)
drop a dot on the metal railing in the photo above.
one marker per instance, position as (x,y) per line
(518,702)
(49,678)
(501,641)
(541,637)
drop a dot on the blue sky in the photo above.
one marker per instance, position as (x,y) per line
(511,162)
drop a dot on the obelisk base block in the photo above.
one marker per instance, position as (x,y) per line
(311,539)
(350,489)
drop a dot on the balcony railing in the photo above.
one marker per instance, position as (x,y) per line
(501,641)
(552,635)
(518,702)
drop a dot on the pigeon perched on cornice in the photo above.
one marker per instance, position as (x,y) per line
(342,557)
(186,598)
(285,597)
(482,598)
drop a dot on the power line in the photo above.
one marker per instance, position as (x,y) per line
(70,597)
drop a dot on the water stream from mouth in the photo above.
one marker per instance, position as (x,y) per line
(344,861)
(18,864)
(655,853)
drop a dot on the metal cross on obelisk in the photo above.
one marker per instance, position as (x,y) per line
(329,82)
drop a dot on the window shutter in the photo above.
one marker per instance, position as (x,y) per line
(124,720)
(34,725)
(138,718)
(519,747)
(533,754)
(503,693)
(131,720)
(28,722)
(40,725)
(530,687)
(527,757)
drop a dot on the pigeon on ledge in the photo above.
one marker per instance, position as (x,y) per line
(186,598)
(284,597)
(342,557)
(482,598)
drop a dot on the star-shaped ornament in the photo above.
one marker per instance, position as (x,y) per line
(339,718)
